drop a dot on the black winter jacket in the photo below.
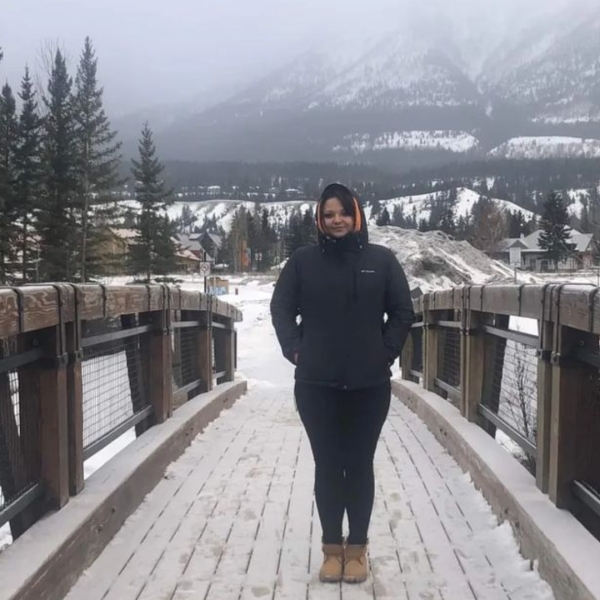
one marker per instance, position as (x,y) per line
(342,292)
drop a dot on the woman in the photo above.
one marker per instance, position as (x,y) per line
(343,350)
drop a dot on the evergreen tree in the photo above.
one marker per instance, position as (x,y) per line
(309,228)
(29,174)
(57,216)
(383,220)
(294,237)
(98,162)
(8,147)
(555,234)
(153,251)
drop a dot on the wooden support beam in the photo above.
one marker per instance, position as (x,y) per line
(156,356)
(205,351)
(473,369)
(51,373)
(431,341)
(575,412)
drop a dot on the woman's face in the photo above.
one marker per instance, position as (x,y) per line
(336,221)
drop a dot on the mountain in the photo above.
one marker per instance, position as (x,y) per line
(437,87)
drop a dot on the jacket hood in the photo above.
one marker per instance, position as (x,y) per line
(355,240)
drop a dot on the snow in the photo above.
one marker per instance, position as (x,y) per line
(454,141)
(234,517)
(433,261)
(420,206)
(547,147)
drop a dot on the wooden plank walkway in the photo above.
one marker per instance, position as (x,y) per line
(235,519)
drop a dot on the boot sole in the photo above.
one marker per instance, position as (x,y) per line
(330,579)
(354,579)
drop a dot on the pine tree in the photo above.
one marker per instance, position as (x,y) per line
(29,173)
(8,146)
(98,162)
(309,229)
(294,237)
(383,220)
(555,235)
(151,253)
(57,216)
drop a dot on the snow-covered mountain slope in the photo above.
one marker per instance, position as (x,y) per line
(434,261)
(419,207)
(454,141)
(280,212)
(547,147)
(478,78)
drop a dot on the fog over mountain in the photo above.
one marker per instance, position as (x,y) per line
(323,79)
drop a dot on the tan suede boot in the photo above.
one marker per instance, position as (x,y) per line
(356,566)
(333,563)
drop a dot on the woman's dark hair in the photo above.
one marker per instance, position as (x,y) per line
(342,193)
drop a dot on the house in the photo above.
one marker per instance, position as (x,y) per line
(525,253)
(211,244)
(212,191)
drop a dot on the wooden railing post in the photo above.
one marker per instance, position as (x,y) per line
(51,374)
(431,338)
(471,385)
(205,344)
(156,356)
(574,415)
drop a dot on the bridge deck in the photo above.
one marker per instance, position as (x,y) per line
(235,518)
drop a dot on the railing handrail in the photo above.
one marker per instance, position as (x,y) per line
(43,352)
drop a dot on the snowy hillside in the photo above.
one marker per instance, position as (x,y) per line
(420,206)
(280,212)
(454,141)
(547,147)
(434,261)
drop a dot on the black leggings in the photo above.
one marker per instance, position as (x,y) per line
(343,428)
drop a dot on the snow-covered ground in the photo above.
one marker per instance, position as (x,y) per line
(235,518)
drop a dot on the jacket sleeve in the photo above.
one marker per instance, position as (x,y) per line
(399,310)
(285,309)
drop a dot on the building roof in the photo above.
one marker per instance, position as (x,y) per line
(531,242)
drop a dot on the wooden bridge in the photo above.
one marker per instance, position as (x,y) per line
(500,382)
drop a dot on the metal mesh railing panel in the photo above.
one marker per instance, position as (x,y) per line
(511,386)
(449,357)
(185,356)
(112,386)
(19,430)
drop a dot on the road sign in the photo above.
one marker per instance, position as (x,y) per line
(205,268)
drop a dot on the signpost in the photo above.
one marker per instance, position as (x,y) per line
(205,269)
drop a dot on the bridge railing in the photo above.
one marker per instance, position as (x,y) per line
(82,364)
(524,360)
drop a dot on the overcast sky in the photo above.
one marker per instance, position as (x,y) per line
(158,51)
